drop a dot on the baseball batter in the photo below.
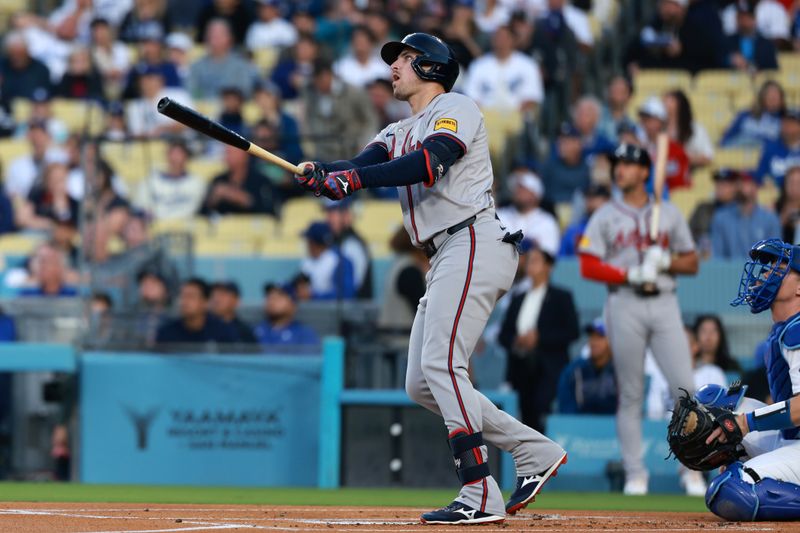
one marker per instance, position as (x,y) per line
(439,160)
(616,250)
(767,485)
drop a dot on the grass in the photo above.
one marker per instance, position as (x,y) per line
(56,492)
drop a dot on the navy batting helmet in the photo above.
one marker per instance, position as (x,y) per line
(436,61)
(630,153)
(770,261)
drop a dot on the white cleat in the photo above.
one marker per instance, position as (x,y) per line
(636,486)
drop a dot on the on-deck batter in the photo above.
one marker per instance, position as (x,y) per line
(439,160)
(616,250)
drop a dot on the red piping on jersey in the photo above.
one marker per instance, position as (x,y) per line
(454,332)
(592,267)
(453,137)
(430,181)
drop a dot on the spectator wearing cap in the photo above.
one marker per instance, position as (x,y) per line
(334,115)
(736,227)
(110,56)
(294,72)
(195,324)
(725,185)
(20,74)
(331,273)
(241,189)
(615,110)
(684,35)
(339,216)
(26,170)
(537,330)
(762,123)
(565,172)
(685,130)
(237,14)
(270,30)
(172,193)
(222,66)
(505,79)
(81,81)
(280,326)
(653,119)
(748,50)
(525,212)
(151,56)
(178,47)
(362,65)
(225,298)
(42,111)
(788,205)
(594,196)
(586,117)
(144,120)
(587,386)
(780,155)
(144,17)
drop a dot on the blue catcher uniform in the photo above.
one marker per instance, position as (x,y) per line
(766,486)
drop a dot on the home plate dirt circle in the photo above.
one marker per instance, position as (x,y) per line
(143,518)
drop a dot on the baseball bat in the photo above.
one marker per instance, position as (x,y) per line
(191,118)
(659,177)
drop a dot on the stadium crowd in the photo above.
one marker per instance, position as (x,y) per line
(560,83)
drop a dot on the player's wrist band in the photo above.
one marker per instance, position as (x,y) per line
(776,416)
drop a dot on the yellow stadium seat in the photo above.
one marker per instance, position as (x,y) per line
(266,59)
(736,158)
(20,243)
(500,125)
(286,246)
(789,61)
(251,113)
(197,226)
(702,184)
(768,194)
(206,168)
(243,226)
(197,52)
(722,81)
(225,246)
(78,115)
(715,120)
(209,108)
(658,81)
(297,214)
(564,214)
(11,149)
(21,109)
(685,200)
(376,221)
(135,160)
(743,101)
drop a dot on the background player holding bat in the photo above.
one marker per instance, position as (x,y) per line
(639,266)
(439,160)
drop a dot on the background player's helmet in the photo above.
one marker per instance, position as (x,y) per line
(630,153)
(436,62)
(770,261)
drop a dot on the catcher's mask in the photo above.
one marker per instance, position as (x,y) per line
(770,261)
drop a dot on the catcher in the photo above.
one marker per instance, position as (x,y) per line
(722,428)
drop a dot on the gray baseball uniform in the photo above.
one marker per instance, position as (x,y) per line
(470,270)
(619,235)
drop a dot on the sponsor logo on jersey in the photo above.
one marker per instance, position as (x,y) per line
(446,124)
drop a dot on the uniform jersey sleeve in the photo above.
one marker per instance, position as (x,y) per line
(383,138)
(790,348)
(592,241)
(455,117)
(680,239)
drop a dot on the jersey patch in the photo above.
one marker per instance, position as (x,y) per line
(446,124)
(584,242)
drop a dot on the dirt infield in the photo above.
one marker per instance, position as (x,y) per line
(121,518)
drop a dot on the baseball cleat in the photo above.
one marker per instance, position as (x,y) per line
(459,513)
(529,486)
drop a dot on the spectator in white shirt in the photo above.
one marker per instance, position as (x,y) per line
(143,118)
(110,56)
(362,65)
(178,47)
(525,214)
(270,30)
(26,170)
(772,20)
(505,79)
(173,193)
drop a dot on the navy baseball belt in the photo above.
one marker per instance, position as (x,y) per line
(430,247)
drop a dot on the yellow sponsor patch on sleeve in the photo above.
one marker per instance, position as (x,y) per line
(584,242)
(446,124)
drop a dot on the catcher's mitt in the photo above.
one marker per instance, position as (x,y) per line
(690,426)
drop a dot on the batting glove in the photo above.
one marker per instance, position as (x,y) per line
(641,274)
(340,184)
(312,177)
(658,257)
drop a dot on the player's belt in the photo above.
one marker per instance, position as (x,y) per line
(430,248)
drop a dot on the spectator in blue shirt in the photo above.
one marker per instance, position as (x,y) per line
(753,127)
(587,120)
(779,156)
(588,385)
(594,196)
(566,170)
(330,272)
(195,325)
(280,327)
(748,49)
(736,227)
(48,269)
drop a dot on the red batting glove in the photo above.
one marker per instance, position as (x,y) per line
(312,178)
(340,184)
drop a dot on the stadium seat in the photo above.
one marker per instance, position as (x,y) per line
(197,226)
(736,158)
(78,115)
(657,81)
(722,81)
(297,214)
(500,125)
(209,108)
(225,246)
(685,199)
(265,59)
(715,118)
(135,160)
(788,61)
(286,246)
(197,52)
(768,194)
(11,149)
(251,113)
(243,226)
(206,168)
(19,244)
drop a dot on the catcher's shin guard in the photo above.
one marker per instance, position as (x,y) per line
(471,467)
(732,497)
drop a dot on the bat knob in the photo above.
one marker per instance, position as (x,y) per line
(163,104)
